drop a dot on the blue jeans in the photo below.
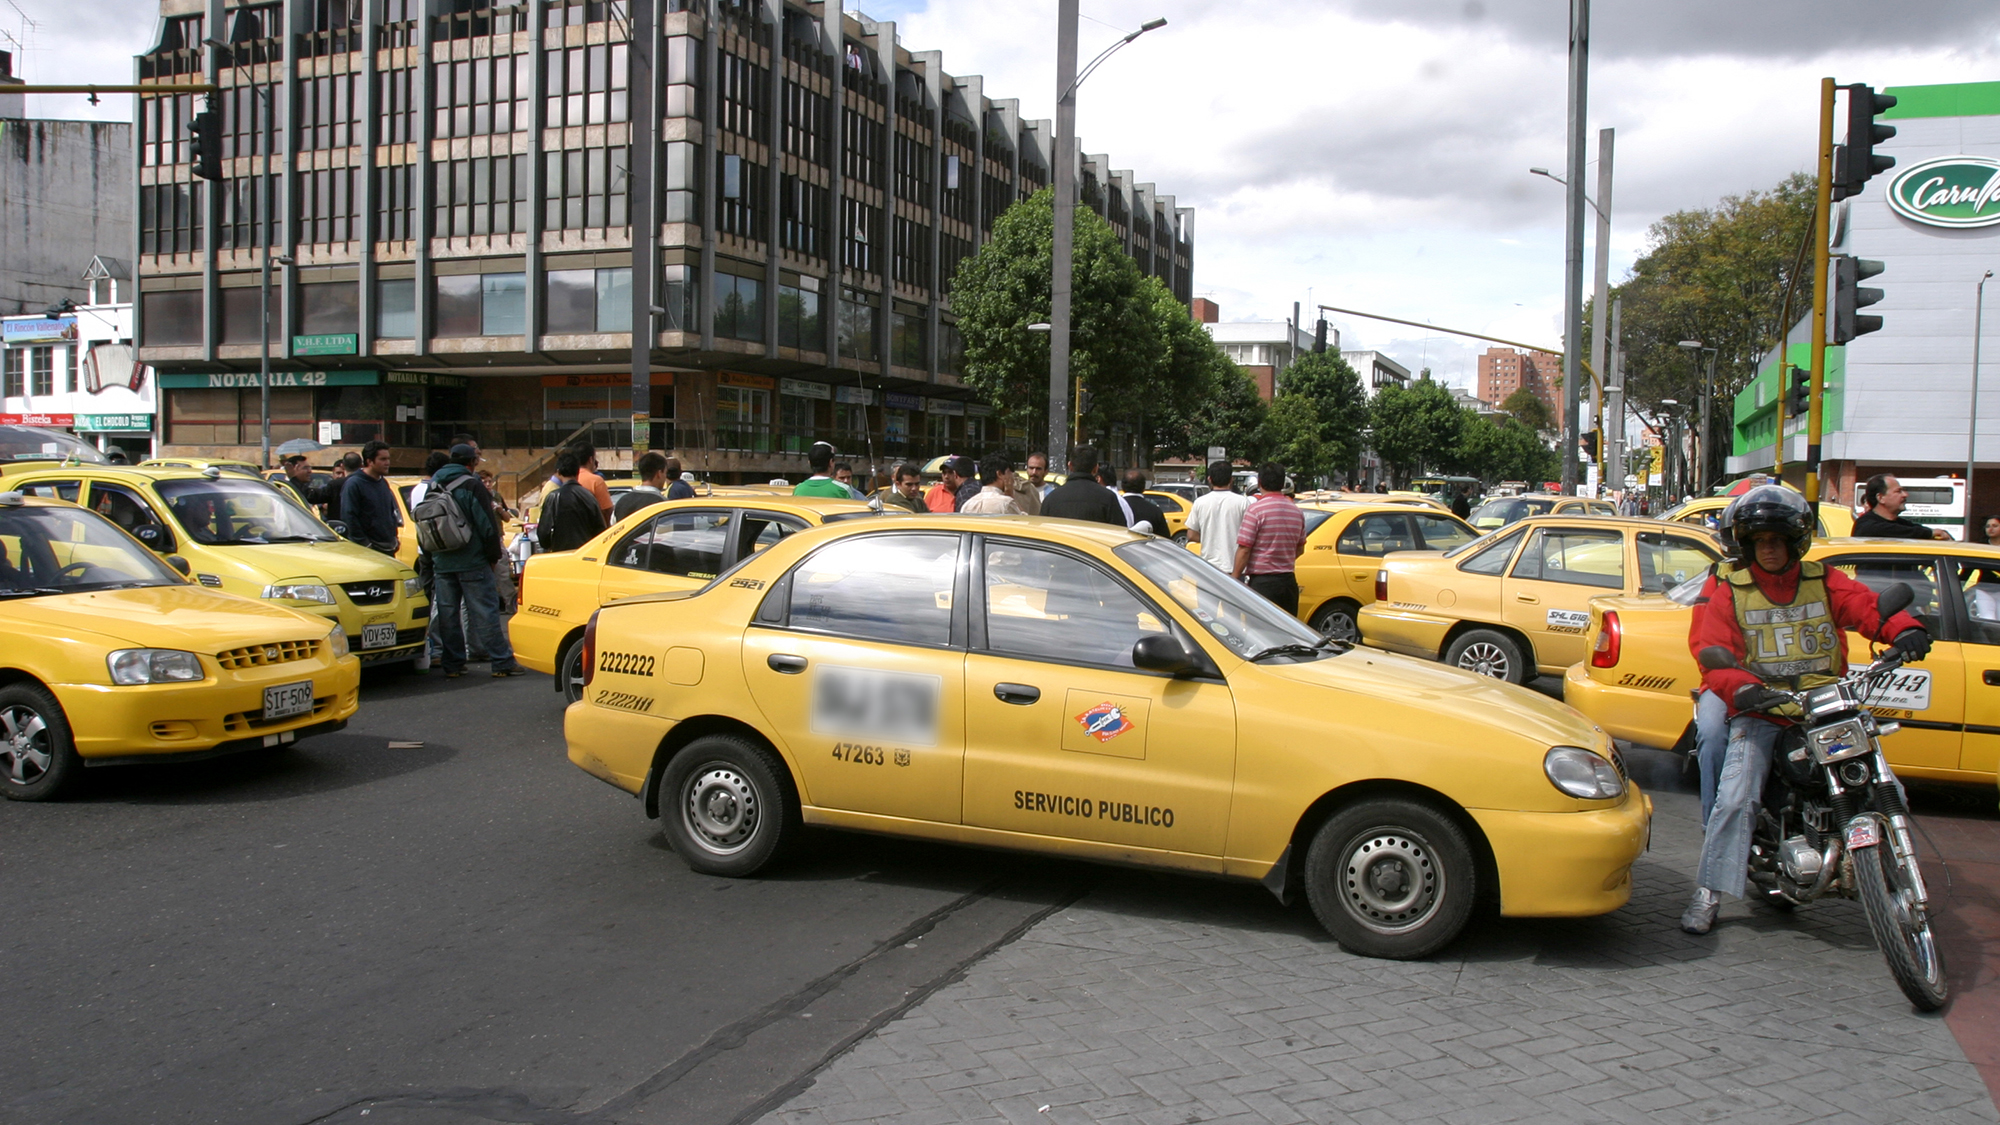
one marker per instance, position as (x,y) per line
(1725,845)
(471,593)
(1711,744)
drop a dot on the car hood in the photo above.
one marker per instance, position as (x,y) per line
(182,617)
(335,562)
(1428,690)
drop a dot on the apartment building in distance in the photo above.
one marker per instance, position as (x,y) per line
(1502,371)
(1262,348)
(455,195)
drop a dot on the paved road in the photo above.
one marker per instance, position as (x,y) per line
(472,930)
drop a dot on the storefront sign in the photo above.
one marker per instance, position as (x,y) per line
(611,380)
(944,406)
(115,423)
(37,419)
(1951,191)
(346,343)
(278,379)
(978,410)
(858,395)
(734,379)
(900,401)
(801,388)
(424,379)
(38,330)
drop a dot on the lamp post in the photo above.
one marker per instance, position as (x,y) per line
(1675,461)
(1972,414)
(1707,393)
(239,32)
(1602,207)
(1063,242)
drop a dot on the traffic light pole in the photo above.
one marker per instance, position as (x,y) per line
(1579,69)
(1822,216)
(264,300)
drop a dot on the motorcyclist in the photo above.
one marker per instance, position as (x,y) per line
(1784,619)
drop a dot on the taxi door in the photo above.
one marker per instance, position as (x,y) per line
(1546,595)
(1928,698)
(675,550)
(1978,583)
(1064,737)
(855,658)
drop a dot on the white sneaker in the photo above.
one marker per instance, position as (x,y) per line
(424,662)
(1700,915)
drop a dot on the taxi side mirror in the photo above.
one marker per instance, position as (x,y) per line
(150,536)
(1163,652)
(339,527)
(179,563)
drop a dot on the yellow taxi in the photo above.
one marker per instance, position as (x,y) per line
(1345,546)
(1516,602)
(1834,519)
(1504,510)
(246,537)
(112,657)
(1068,688)
(1176,508)
(673,545)
(1638,675)
(239,468)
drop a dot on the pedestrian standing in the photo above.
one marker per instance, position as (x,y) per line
(569,516)
(967,471)
(588,477)
(652,470)
(299,477)
(1107,476)
(1027,492)
(1038,473)
(1216,516)
(367,505)
(1461,504)
(821,482)
(996,489)
(1144,511)
(1080,497)
(907,492)
(677,489)
(1885,497)
(1270,541)
(464,577)
(943,496)
(426,572)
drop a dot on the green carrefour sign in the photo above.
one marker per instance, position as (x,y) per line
(1950,191)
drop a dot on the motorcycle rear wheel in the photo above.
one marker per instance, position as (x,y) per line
(1910,948)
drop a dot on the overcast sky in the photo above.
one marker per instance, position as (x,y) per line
(1370,154)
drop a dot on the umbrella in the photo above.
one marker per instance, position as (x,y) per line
(298,445)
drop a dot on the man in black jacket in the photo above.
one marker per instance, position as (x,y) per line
(1885,497)
(570,516)
(367,505)
(1081,498)
(1143,510)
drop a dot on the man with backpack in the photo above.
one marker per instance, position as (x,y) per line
(455,526)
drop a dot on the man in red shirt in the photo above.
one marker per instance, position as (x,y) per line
(1785,621)
(1270,540)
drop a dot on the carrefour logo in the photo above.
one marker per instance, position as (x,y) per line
(1951,191)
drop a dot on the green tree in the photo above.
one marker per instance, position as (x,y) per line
(1227,411)
(1415,426)
(1197,395)
(1341,405)
(1118,346)
(1528,408)
(1291,437)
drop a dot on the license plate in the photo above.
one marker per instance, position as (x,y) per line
(1909,689)
(286,700)
(1864,833)
(378,636)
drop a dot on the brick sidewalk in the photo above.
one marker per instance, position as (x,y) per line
(1167,1000)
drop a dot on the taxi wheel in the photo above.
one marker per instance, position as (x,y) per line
(38,759)
(1391,878)
(1335,620)
(569,668)
(1489,654)
(727,811)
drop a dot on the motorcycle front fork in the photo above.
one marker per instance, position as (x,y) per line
(1889,803)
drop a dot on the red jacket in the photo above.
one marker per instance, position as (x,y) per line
(1714,622)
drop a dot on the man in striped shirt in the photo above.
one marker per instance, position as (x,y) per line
(1271,539)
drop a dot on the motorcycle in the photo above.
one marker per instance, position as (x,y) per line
(1833,820)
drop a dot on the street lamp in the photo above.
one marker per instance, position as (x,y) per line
(1707,393)
(1601,291)
(1063,242)
(1972,424)
(240,31)
(1673,444)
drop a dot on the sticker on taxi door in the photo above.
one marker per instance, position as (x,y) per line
(1568,620)
(870,703)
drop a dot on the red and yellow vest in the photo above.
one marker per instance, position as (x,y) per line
(1794,642)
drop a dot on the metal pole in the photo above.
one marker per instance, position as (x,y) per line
(1701,477)
(264,302)
(1063,242)
(1972,422)
(645,224)
(1605,138)
(1615,389)
(1815,416)
(1579,67)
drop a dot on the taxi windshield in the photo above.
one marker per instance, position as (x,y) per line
(227,511)
(34,443)
(1241,619)
(1500,513)
(71,550)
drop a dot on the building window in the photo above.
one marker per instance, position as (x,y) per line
(329,112)
(69,368)
(577,12)
(240,321)
(329,308)
(951,350)
(171,318)
(912,247)
(797,423)
(242,211)
(396,308)
(586,188)
(163,129)
(680,295)
(584,301)
(802,219)
(396,198)
(396,104)
(739,308)
(503,306)
(743,419)
(857,327)
(484,195)
(906,340)
(798,319)
(806,117)
(913,170)
(475,97)
(481,18)
(170,218)
(744,86)
(955,201)
(739,197)
(862,136)
(14,385)
(850,423)
(683,67)
(951,253)
(682,183)
(586,85)
(861,232)
(329,207)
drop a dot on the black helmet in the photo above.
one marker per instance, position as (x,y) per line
(1768,507)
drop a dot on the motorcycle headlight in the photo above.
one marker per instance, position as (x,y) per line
(1581,773)
(336,642)
(153,666)
(413,587)
(299,592)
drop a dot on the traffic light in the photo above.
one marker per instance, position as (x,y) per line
(205,131)
(1798,396)
(1590,446)
(1849,296)
(1857,160)
(1083,401)
(1319,337)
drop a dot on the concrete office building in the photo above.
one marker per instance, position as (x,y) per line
(1262,348)
(455,200)
(1376,371)
(65,194)
(1898,399)
(1502,371)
